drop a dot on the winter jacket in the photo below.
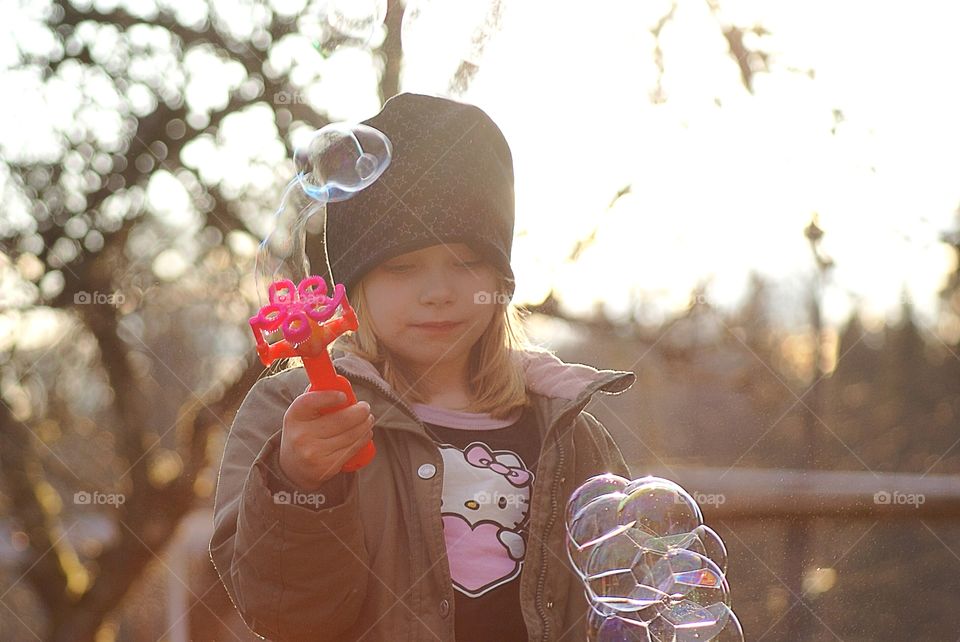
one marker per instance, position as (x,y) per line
(373,565)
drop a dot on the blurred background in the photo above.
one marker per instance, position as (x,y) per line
(752,205)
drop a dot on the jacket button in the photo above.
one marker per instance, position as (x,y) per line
(444,608)
(426,471)
(550,605)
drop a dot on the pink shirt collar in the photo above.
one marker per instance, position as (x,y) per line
(462,420)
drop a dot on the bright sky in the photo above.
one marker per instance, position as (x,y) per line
(722,190)
(723,182)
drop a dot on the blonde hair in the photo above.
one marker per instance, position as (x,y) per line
(496,377)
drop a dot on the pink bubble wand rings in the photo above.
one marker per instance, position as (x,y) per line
(302,315)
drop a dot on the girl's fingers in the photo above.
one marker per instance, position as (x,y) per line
(311,405)
(349,444)
(347,438)
(336,423)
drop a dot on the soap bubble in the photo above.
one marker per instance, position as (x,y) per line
(717,623)
(619,551)
(596,520)
(616,629)
(652,571)
(709,544)
(331,24)
(339,160)
(593,488)
(683,573)
(660,508)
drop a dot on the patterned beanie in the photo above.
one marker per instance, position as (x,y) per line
(450,181)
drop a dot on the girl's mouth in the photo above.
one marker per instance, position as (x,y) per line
(437,327)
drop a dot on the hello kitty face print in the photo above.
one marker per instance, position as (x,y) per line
(485,505)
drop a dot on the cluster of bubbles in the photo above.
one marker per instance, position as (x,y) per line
(339,160)
(652,570)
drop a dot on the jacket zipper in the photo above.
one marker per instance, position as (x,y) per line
(554,505)
(542,577)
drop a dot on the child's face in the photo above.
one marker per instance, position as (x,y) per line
(439,283)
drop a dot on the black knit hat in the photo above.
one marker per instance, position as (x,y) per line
(450,181)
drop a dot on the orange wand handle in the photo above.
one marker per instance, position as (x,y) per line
(303,315)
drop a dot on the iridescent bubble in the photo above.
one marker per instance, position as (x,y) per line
(646,479)
(597,519)
(660,508)
(591,489)
(684,574)
(342,159)
(692,623)
(617,552)
(620,592)
(616,629)
(669,542)
(731,630)
(709,544)
(339,160)
(592,523)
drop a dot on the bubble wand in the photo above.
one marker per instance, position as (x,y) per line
(340,160)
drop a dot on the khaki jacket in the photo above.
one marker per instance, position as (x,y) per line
(374,566)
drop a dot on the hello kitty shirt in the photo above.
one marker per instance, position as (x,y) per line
(489,468)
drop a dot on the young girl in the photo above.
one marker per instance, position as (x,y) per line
(455,530)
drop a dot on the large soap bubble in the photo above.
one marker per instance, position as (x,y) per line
(652,571)
(660,507)
(592,524)
(593,488)
(339,160)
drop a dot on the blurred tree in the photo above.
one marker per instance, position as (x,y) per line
(131,211)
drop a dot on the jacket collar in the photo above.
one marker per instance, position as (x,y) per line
(557,388)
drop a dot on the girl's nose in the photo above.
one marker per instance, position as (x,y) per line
(437,289)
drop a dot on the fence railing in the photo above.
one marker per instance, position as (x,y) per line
(750,493)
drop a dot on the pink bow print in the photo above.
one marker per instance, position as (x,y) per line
(481,457)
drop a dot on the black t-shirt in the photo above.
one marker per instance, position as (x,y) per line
(488,478)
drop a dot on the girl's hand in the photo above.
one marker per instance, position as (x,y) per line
(314,446)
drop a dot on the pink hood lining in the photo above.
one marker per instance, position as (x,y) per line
(546,374)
